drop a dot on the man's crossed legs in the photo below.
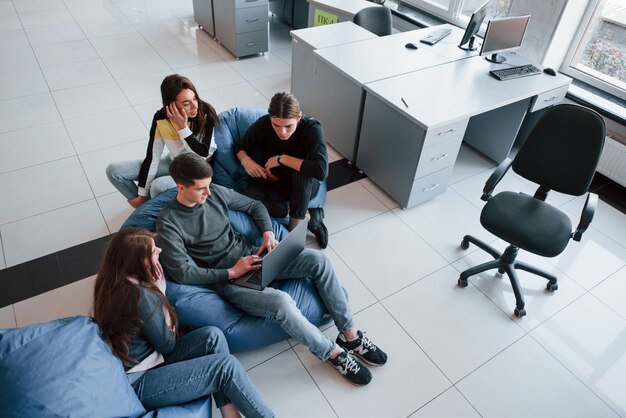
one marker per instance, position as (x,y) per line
(278,305)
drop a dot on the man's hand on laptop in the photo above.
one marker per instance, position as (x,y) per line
(244,265)
(269,242)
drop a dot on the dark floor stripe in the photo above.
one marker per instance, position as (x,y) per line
(67,266)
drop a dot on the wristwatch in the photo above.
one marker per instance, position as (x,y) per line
(278,159)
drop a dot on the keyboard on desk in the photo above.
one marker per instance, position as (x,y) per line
(515,72)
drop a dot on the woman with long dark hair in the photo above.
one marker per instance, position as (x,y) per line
(184,124)
(141,327)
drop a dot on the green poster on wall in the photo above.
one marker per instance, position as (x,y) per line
(324,18)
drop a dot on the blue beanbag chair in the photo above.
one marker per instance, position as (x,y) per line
(63,368)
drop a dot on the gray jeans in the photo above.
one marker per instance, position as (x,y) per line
(124,175)
(279,306)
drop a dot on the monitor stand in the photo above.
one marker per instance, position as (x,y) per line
(498,59)
(470,45)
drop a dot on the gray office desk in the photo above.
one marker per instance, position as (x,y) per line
(342,71)
(304,42)
(409,147)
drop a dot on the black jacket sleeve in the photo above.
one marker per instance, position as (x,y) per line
(315,164)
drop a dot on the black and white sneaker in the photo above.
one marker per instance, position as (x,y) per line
(352,369)
(364,348)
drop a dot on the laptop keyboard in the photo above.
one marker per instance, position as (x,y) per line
(255,278)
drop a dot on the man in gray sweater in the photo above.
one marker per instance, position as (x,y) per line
(196,224)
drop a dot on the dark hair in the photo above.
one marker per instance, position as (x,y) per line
(188,167)
(206,119)
(284,106)
(115,298)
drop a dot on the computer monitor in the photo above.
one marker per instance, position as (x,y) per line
(473,27)
(504,34)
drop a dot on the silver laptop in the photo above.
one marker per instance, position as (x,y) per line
(275,261)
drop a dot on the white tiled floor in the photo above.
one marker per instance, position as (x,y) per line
(78,86)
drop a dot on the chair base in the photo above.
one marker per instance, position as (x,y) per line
(505,263)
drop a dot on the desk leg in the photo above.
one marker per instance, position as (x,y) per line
(337,104)
(493,133)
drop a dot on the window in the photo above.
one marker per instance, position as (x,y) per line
(440,8)
(459,11)
(495,8)
(598,53)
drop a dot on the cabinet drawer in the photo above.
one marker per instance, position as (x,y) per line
(252,43)
(549,98)
(429,186)
(240,4)
(445,132)
(251,19)
(438,156)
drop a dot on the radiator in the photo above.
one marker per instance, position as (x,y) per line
(613,161)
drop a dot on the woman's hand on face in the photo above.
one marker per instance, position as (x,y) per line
(253,169)
(176,117)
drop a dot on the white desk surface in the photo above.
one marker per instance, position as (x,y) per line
(458,90)
(331,35)
(349,7)
(386,56)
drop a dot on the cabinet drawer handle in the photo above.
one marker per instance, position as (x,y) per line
(449,131)
(252,20)
(430,188)
(251,1)
(252,43)
(441,157)
(551,99)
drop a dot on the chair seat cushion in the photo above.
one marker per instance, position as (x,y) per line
(527,223)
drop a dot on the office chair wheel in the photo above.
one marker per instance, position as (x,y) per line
(464,244)
(519,312)
(552,286)
(462,282)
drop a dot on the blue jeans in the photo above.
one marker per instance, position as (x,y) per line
(199,365)
(124,175)
(279,306)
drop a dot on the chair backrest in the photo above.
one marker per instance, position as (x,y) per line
(375,19)
(562,151)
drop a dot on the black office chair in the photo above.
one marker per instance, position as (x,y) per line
(375,19)
(560,153)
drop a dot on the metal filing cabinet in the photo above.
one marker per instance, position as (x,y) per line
(242,25)
(412,164)
(203,15)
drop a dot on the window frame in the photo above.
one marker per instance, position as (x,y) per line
(449,15)
(567,68)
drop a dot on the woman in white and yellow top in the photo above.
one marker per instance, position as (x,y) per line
(184,124)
